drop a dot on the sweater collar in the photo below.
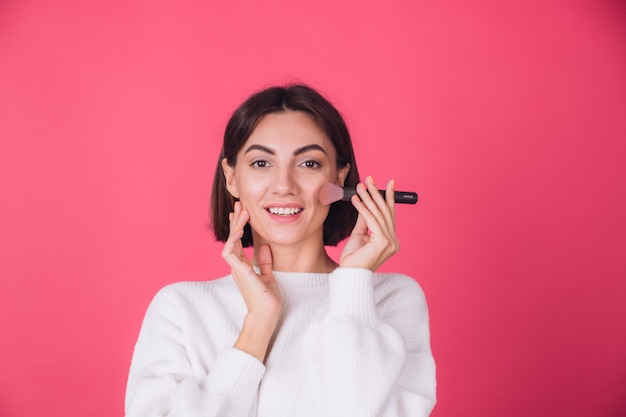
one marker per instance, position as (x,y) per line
(301,280)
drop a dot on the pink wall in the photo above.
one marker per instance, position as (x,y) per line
(508,118)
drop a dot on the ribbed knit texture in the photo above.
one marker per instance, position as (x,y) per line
(349,343)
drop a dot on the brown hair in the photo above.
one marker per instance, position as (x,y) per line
(342,215)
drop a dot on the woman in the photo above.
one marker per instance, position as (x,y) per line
(289,332)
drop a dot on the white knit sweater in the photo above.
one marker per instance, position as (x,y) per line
(349,343)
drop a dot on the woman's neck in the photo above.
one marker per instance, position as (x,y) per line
(294,258)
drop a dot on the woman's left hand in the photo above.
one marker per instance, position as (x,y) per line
(373,239)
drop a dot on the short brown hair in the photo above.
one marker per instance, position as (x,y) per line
(342,215)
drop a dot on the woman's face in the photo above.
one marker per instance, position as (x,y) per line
(278,176)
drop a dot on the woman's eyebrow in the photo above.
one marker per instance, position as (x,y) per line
(259,148)
(299,151)
(308,148)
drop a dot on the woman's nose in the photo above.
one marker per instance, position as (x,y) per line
(285,183)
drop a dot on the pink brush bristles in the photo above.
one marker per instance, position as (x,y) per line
(331,193)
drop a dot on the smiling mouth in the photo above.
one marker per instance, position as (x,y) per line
(284,211)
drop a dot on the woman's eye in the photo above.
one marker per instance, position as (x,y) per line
(259,164)
(311,164)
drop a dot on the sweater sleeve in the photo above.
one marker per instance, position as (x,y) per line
(163,382)
(362,363)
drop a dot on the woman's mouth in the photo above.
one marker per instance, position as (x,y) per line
(284,211)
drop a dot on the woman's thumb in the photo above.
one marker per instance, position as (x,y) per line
(265,260)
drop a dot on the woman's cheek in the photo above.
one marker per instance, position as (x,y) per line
(251,194)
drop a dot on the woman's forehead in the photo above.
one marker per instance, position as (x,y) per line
(291,132)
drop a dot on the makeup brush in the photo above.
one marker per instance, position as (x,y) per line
(331,193)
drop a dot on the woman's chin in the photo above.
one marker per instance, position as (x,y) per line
(286,239)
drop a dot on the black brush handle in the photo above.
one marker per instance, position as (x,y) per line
(403,197)
(400,197)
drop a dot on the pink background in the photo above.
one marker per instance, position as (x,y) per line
(508,118)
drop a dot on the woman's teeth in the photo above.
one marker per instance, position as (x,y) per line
(284,211)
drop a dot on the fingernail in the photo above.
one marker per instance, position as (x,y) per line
(370,179)
(393,184)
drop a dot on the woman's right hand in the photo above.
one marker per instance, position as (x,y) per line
(260,292)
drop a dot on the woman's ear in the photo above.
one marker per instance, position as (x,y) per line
(229,175)
(342,174)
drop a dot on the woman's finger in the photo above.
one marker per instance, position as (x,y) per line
(380,224)
(235,215)
(370,221)
(390,192)
(383,209)
(238,219)
(372,199)
(233,251)
(386,205)
(264,257)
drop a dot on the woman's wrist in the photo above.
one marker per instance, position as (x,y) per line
(256,334)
